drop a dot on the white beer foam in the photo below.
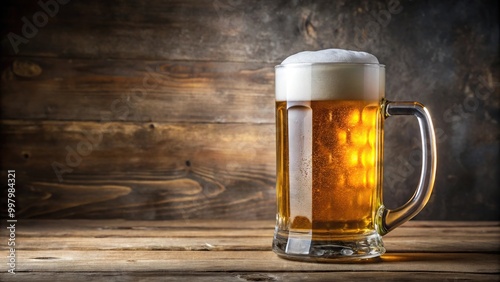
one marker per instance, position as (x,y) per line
(331,56)
(344,76)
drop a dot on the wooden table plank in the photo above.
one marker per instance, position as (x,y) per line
(192,30)
(144,154)
(246,276)
(232,228)
(82,225)
(138,91)
(136,170)
(191,224)
(228,250)
(229,235)
(226,235)
(55,260)
(239,243)
(262,261)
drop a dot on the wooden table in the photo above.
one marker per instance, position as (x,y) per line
(117,250)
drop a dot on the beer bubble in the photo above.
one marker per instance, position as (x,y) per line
(372,137)
(368,116)
(358,136)
(341,136)
(357,178)
(341,180)
(371,177)
(368,156)
(361,199)
(353,157)
(353,118)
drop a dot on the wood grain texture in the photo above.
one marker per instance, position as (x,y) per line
(211,64)
(228,250)
(228,30)
(138,91)
(136,170)
(208,276)
(228,261)
(152,236)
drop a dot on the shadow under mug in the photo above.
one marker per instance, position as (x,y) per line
(329,134)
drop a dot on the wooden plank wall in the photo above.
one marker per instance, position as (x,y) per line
(165,109)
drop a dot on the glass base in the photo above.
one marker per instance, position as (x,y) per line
(301,246)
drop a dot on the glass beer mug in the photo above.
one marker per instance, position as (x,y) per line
(329,121)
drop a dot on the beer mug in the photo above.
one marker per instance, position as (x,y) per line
(329,130)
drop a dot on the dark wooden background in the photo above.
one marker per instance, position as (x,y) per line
(165,109)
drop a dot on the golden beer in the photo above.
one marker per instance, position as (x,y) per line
(330,109)
(346,139)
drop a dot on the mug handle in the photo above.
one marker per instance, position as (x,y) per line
(389,219)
